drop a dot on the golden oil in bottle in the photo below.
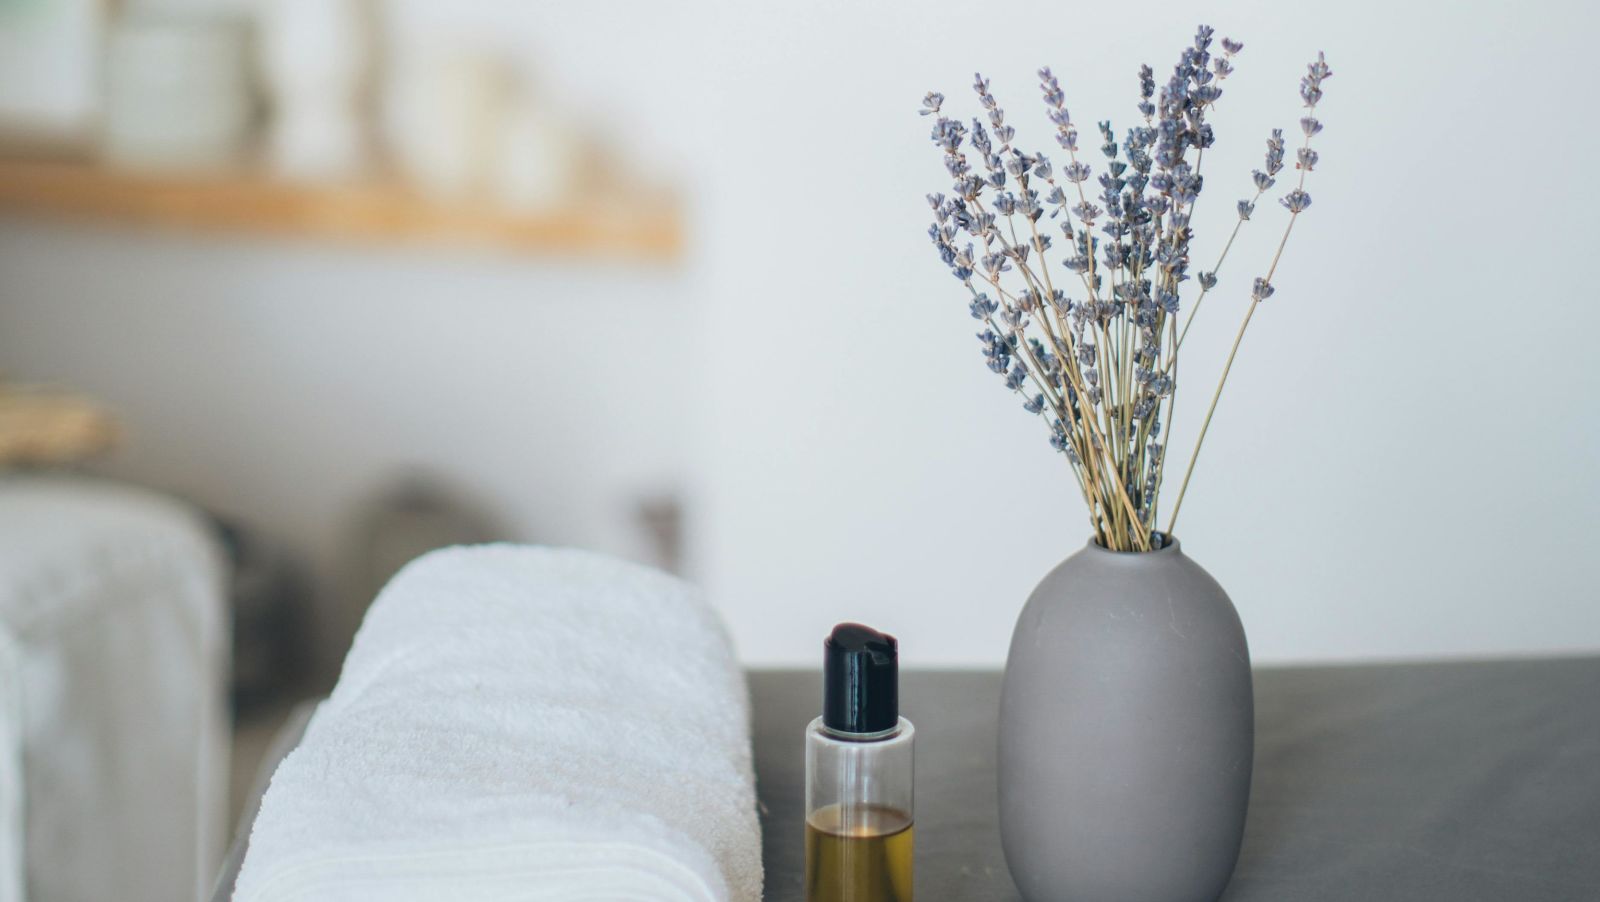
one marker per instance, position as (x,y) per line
(860,774)
(860,853)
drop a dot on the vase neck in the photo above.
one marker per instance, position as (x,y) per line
(1169,547)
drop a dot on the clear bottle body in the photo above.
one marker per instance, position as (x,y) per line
(859,814)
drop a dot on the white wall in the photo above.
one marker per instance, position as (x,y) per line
(1403,465)
(286,386)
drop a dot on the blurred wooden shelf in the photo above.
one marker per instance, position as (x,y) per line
(369,213)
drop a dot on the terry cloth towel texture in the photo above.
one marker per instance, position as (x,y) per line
(521,723)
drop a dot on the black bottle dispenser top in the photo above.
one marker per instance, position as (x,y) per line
(861,682)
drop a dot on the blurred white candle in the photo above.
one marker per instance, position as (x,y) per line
(316,55)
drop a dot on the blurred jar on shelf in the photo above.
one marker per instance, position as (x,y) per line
(317,60)
(464,125)
(545,158)
(178,92)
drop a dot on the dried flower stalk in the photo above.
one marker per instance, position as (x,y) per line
(1098,357)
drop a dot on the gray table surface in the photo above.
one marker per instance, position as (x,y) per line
(1457,781)
(1466,782)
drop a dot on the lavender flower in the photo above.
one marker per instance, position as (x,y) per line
(1059,440)
(948,133)
(1128,248)
(1017,377)
(1055,99)
(995,264)
(1275,152)
(996,350)
(1311,85)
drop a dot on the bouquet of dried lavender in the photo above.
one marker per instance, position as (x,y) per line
(1097,357)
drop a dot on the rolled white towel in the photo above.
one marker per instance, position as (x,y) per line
(521,723)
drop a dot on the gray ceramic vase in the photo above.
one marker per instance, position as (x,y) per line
(1127,729)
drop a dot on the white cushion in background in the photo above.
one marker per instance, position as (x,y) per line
(113,725)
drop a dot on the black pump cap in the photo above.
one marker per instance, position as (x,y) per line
(861,682)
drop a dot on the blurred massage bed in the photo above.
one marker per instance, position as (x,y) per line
(113,726)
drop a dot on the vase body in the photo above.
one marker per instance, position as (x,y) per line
(1127,730)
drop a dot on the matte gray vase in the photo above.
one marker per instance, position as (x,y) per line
(1127,729)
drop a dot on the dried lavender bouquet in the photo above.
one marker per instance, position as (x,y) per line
(1097,357)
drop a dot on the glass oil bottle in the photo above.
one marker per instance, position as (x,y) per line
(859,833)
